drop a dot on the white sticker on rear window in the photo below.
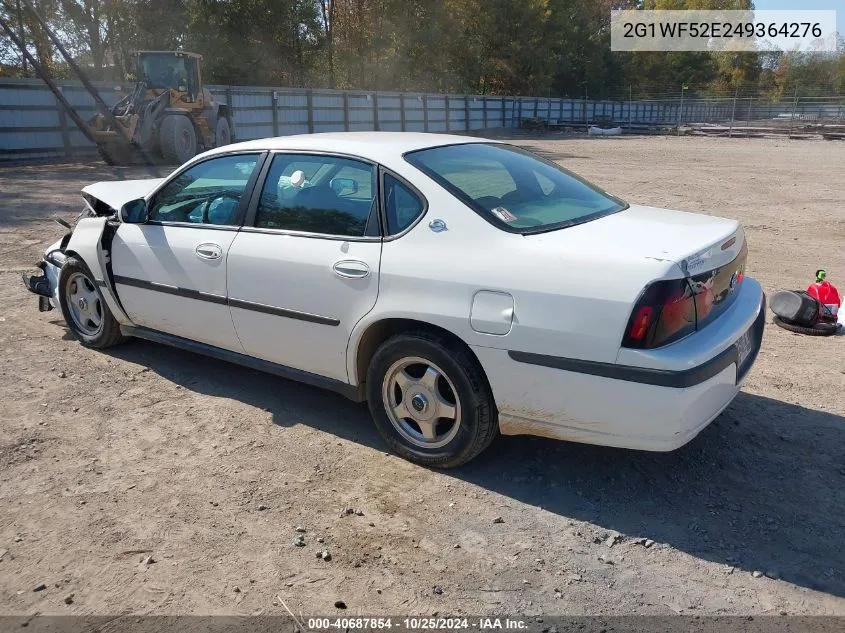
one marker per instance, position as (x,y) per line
(504,215)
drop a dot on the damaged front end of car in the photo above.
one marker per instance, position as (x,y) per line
(89,240)
(46,283)
(84,233)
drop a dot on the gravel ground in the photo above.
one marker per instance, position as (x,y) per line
(148,480)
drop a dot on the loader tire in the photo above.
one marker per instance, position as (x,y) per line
(178,139)
(223,133)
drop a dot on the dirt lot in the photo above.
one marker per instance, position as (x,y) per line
(108,458)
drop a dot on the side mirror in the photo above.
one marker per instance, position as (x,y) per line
(344,186)
(134,212)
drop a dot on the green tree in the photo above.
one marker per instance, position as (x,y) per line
(530,47)
(500,46)
(266,42)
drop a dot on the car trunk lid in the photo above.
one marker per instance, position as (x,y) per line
(697,243)
(709,253)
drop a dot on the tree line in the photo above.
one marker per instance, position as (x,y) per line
(514,47)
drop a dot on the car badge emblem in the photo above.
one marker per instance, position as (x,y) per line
(437,226)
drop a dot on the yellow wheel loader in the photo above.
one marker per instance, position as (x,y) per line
(169,114)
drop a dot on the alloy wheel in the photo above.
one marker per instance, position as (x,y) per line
(84,304)
(421,402)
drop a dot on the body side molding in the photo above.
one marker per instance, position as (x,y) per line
(356,394)
(233,303)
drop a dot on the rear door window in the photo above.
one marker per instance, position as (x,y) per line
(328,195)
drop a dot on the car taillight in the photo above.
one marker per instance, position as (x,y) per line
(664,313)
(642,320)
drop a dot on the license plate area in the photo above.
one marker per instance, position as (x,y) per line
(748,344)
(744,346)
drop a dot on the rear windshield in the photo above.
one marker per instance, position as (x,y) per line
(513,188)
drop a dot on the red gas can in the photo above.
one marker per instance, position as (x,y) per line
(827,295)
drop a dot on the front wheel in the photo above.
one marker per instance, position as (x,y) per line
(430,400)
(85,311)
(177,138)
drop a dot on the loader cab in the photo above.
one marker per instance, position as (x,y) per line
(167,70)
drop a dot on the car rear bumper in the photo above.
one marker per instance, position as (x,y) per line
(659,405)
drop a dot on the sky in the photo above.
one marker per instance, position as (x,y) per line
(836,5)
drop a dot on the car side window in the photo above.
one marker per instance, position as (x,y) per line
(207,193)
(401,205)
(335,196)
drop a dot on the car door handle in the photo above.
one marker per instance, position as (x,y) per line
(351,269)
(209,251)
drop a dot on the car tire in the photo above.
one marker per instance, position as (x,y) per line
(178,139)
(424,374)
(84,308)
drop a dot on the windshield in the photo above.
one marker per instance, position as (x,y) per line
(164,70)
(514,189)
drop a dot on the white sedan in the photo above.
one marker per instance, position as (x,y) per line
(463,287)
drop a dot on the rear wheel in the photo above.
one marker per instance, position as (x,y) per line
(178,138)
(430,400)
(85,311)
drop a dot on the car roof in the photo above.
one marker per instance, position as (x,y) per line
(379,147)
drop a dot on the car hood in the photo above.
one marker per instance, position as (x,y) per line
(117,193)
(695,242)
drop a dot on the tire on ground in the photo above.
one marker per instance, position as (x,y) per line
(222,132)
(479,423)
(178,138)
(108,334)
(819,329)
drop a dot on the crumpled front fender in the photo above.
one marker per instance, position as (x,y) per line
(86,243)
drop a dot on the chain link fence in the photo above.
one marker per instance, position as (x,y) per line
(743,111)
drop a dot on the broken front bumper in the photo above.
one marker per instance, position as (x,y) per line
(46,284)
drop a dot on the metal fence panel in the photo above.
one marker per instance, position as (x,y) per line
(32,124)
